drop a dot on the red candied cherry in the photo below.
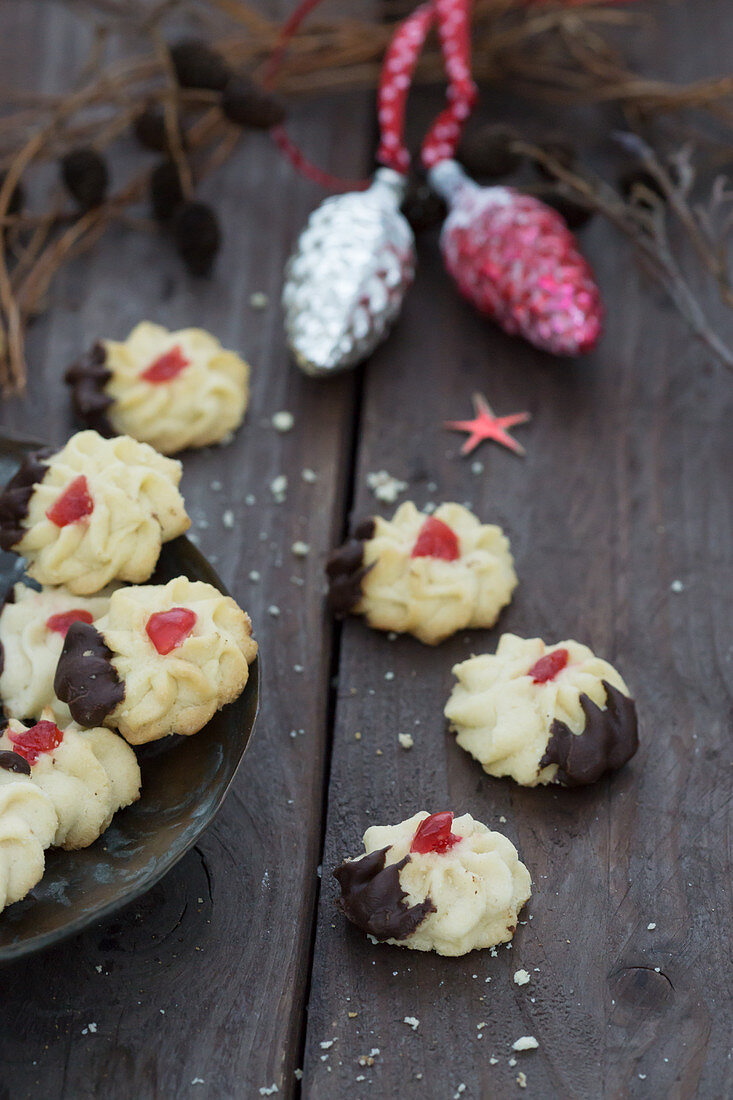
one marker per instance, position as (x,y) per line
(61,622)
(548,666)
(43,737)
(167,366)
(74,503)
(436,540)
(169,629)
(434,835)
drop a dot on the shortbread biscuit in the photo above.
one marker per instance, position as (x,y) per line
(427,575)
(170,389)
(543,713)
(162,660)
(435,883)
(96,511)
(33,626)
(87,774)
(28,824)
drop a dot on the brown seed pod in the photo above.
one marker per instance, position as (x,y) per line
(246,104)
(422,207)
(197,65)
(197,236)
(85,175)
(575,214)
(149,129)
(487,153)
(561,151)
(166,192)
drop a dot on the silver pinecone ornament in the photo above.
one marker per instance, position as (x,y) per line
(346,280)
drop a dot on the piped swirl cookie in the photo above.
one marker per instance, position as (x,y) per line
(96,511)
(87,774)
(427,575)
(170,389)
(33,626)
(162,660)
(28,824)
(543,713)
(435,883)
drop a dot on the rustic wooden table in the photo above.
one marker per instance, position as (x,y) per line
(236,970)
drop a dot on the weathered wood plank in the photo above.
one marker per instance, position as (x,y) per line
(624,490)
(199,988)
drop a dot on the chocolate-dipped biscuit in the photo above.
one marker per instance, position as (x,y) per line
(435,882)
(86,679)
(423,574)
(345,570)
(373,900)
(609,739)
(543,713)
(87,379)
(16,495)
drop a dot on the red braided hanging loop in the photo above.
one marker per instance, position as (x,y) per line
(398,68)
(454,29)
(395,80)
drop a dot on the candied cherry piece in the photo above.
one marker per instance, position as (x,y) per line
(168,629)
(43,737)
(167,366)
(61,622)
(548,666)
(434,835)
(436,540)
(74,503)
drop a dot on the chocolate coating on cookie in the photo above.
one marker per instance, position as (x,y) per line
(345,570)
(86,680)
(14,762)
(16,495)
(609,739)
(87,379)
(373,900)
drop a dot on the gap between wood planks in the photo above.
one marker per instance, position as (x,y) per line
(349,494)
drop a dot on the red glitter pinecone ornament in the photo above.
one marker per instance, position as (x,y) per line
(515,259)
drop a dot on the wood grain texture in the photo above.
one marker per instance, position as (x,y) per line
(204,981)
(625,489)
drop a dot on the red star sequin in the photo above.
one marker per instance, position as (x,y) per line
(487,426)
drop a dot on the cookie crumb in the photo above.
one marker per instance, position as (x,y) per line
(269,1090)
(259,300)
(521,977)
(273,610)
(298,1074)
(227,518)
(651,927)
(254,575)
(677,586)
(353,1015)
(357,735)
(525,1042)
(278,488)
(477,467)
(412,1021)
(522,1080)
(327,1044)
(405,739)
(385,487)
(283,421)
(308,475)
(389,675)
(300,549)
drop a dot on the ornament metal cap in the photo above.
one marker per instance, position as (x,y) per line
(346,280)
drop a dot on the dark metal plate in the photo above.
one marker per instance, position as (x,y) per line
(184,781)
